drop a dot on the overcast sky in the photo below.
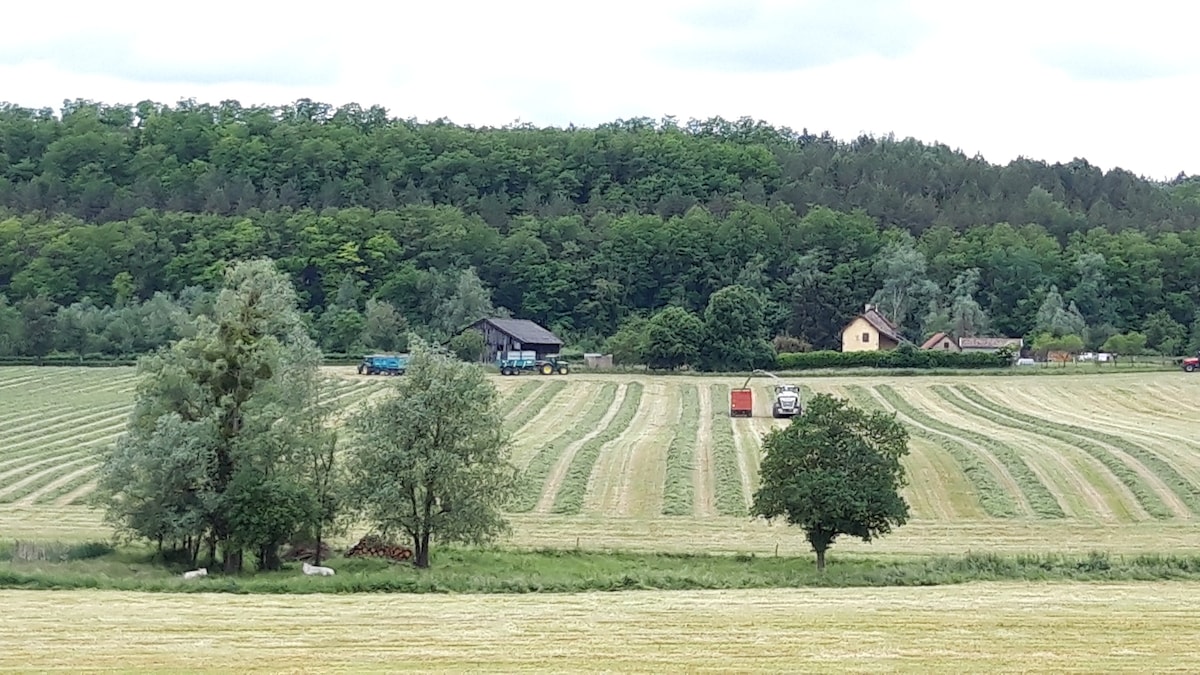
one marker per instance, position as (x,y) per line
(1113,82)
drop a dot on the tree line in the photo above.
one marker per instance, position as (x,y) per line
(365,278)
(121,220)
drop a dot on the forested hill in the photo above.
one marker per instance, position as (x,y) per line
(577,228)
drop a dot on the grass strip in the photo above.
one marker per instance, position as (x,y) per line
(570,494)
(543,398)
(678,489)
(469,571)
(1187,491)
(533,478)
(727,479)
(1041,499)
(991,495)
(518,394)
(1146,496)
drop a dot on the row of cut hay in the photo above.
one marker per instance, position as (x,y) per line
(537,470)
(1035,492)
(1146,496)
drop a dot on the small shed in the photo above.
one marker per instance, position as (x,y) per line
(511,335)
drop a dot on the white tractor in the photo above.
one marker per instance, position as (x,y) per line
(787,401)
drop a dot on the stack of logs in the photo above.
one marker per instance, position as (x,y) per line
(374,547)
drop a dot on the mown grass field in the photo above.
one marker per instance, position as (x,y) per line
(970,628)
(1061,463)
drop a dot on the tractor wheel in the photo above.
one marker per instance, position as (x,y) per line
(1189,367)
(547,369)
(506,371)
(563,370)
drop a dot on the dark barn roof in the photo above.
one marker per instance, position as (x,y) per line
(523,330)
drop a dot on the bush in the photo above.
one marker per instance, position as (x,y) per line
(890,359)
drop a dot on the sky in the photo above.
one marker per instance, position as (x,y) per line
(1110,82)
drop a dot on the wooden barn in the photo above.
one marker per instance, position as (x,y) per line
(512,335)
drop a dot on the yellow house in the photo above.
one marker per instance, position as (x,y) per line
(870,332)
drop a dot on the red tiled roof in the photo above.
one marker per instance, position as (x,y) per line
(937,337)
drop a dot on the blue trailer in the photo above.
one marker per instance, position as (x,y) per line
(383,364)
(515,363)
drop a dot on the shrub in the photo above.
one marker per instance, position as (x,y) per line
(890,359)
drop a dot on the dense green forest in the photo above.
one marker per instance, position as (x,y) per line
(116,221)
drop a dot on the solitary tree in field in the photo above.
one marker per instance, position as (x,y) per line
(431,460)
(835,470)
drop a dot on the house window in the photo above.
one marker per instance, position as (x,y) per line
(866,337)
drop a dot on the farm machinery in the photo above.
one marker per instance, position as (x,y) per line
(515,363)
(785,404)
(383,364)
(1191,364)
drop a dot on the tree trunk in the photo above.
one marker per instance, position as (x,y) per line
(233,561)
(212,549)
(317,555)
(269,558)
(821,560)
(421,555)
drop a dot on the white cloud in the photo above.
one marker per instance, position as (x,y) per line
(1107,82)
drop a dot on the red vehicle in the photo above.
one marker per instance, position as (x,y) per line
(1191,364)
(741,402)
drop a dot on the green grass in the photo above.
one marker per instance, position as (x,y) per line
(681,454)
(727,476)
(1041,499)
(533,478)
(456,570)
(1004,417)
(570,494)
(1187,491)
(993,498)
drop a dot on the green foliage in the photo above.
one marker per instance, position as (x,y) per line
(735,331)
(673,338)
(447,223)
(468,346)
(835,470)
(431,460)
(896,358)
(495,571)
(628,345)
(1126,344)
(220,425)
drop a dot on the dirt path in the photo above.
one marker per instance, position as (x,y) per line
(555,479)
(702,475)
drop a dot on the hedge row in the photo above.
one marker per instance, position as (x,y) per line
(899,358)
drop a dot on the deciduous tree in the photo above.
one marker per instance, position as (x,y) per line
(674,337)
(835,471)
(431,460)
